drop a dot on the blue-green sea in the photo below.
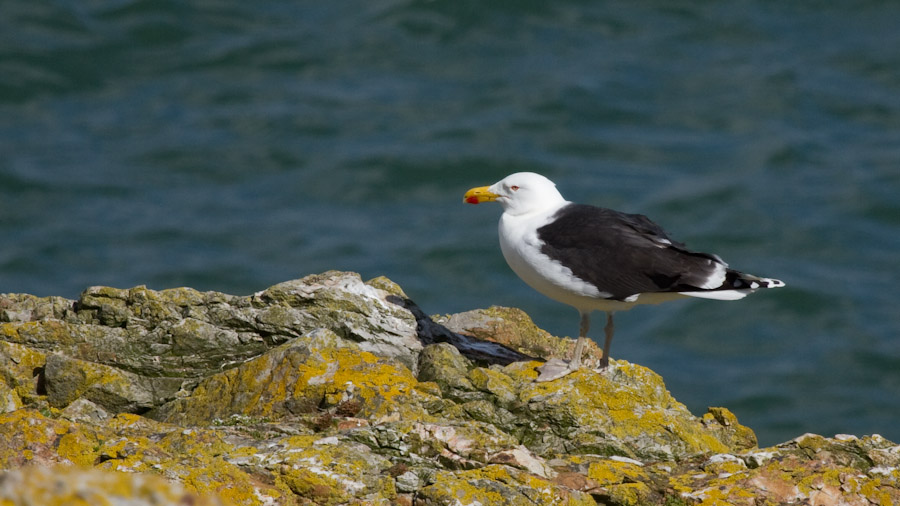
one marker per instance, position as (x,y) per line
(230,145)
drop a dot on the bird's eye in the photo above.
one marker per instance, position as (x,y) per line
(514,188)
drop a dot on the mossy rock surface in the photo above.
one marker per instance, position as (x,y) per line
(330,390)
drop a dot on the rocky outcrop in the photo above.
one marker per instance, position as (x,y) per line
(329,390)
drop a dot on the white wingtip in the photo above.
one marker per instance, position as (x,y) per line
(752,284)
(772,283)
(719,294)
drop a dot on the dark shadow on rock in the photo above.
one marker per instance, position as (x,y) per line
(477,350)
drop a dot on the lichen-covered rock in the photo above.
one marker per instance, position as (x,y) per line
(514,328)
(129,443)
(70,486)
(730,432)
(314,372)
(185,333)
(20,368)
(626,411)
(498,485)
(329,470)
(360,312)
(443,364)
(68,379)
(83,410)
(844,470)
(328,390)
(9,399)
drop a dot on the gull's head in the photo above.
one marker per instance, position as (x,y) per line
(519,193)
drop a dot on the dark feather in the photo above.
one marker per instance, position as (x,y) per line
(622,254)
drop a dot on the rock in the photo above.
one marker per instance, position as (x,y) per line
(408,482)
(329,390)
(359,312)
(9,399)
(21,372)
(498,485)
(807,470)
(513,328)
(735,435)
(83,410)
(480,351)
(312,373)
(69,485)
(330,470)
(443,364)
(68,379)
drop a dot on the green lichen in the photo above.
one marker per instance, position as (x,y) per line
(41,334)
(71,378)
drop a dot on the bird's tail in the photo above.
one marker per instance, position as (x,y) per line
(736,285)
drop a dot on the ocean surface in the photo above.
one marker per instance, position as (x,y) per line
(229,146)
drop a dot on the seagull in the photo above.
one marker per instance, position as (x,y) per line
(597,259)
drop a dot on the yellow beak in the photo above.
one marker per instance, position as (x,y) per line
(479,195)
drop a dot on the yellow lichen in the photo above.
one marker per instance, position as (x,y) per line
(525,372)
(17,364)
(9,398)
(738,437)
(347,373)
(128,420)
(9,330)
(78,448)
(320,489)
(627,404)
(20,431)
(465,489)
(725,465)
(681,483)
(872,490)
(629,494)
(296,380)
(327,471)
(833,476)
(429,388)
(70,486)
(499,484)
(612,472)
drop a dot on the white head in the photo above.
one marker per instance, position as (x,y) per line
(519,193)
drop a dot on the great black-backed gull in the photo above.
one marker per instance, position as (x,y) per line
(597,259)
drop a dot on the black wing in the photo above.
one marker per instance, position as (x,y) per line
(623,254)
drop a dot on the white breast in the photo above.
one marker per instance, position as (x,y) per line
(522,250)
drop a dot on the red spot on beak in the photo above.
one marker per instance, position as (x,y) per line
(472,200)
